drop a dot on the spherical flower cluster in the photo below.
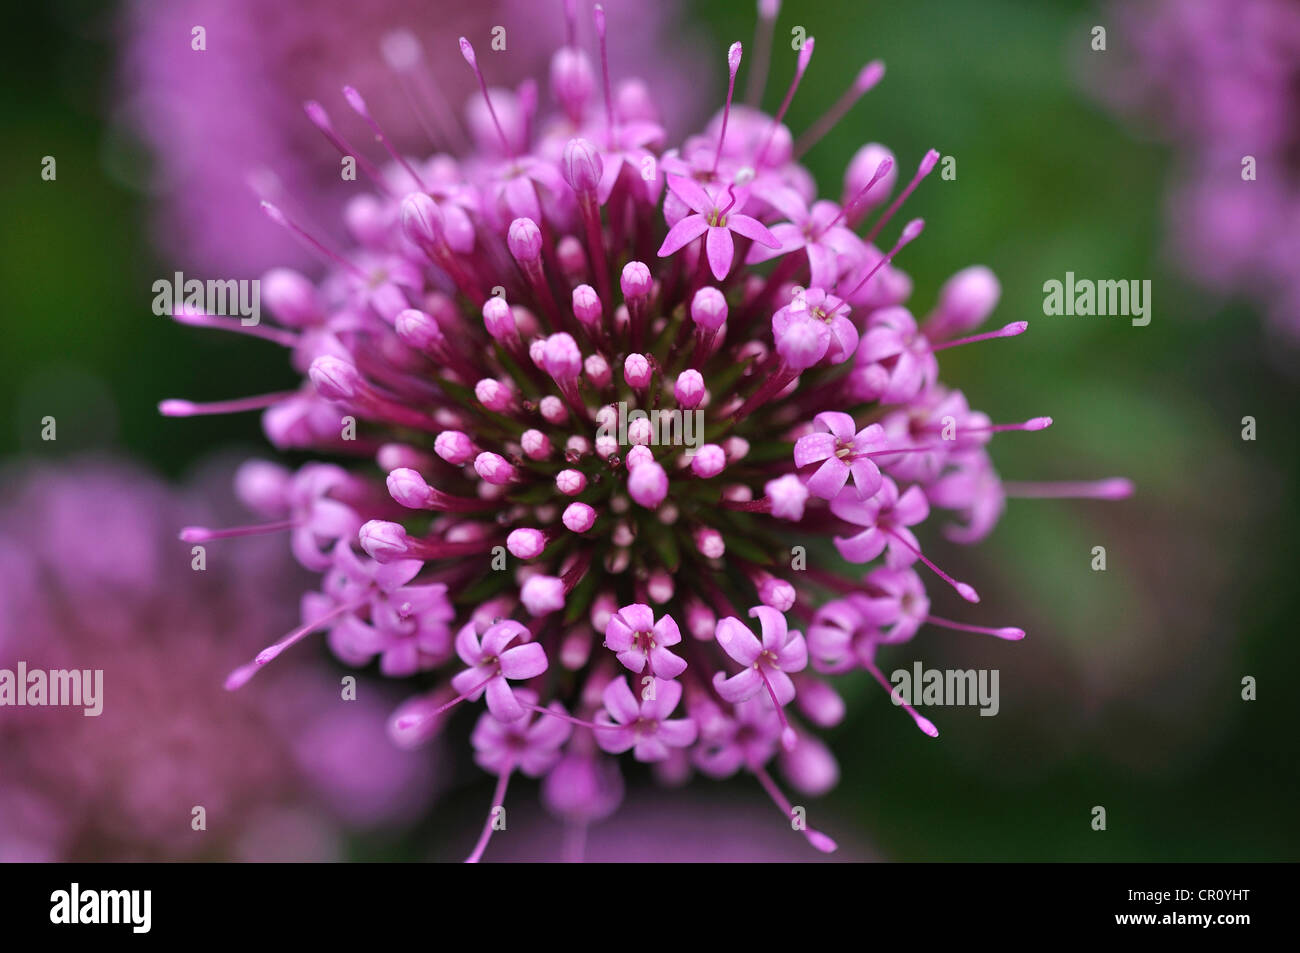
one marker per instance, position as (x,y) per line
(1220,79)
(603,452)
(93,579)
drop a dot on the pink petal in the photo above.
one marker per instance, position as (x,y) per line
(620,702)
(793,657)
(665,664)
(721,249)
(614,740)
(396,574)
(548,732)
(501,701)
(782,687)
(737,641)
(791,238)
(866,476)
(841,425)
(899,555)
(739,687)
(678,733)
(609,174)
(633,659)
(752,228)
(682,234)
(852,509)
(823,265)
(467,646)
(523,661)
(912,507)
(650,749)
(813,447)
(692,193)
(667,695)
(772,622)
(470,678)
(829,479)
(666,631)
(862,547)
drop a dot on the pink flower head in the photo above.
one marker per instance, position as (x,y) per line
(638,639)
(717,215)
(842,453)
(530,743)
(899,354)
(646,726)
(408,625)
(494,662)
(640,439)
(885,518)
(767,664)
(820,318)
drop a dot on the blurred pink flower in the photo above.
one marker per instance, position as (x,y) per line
(1220,81)
(225,124)
(93,577)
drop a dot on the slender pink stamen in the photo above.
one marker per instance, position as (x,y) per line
(274,214)
(565,716)
(1009,632)
(1032,424)
(731,194)
(733,64)
(467,51)
(788,737)
(910,232)
(1009,331)
(598,16)
(801,65)
(188,408)
(498,799)
(197,319)
(925,724)
(928,162)
(815,837)
(882,170)
(321,120)
(201,534)
(359,107)
(964,590)
(1116,488)
(412,720)
(240,676)
(867,77)
(763,30)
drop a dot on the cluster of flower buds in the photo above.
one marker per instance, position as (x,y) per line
(596,589)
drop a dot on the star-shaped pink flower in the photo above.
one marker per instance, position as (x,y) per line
(643,725)
(844,452)
(767,663)
(493,661)
(635,636)
(714,216)
(885,518)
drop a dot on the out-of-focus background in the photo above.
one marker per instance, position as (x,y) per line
(1127,694)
